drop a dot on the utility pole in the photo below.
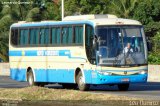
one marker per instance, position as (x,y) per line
(62,9)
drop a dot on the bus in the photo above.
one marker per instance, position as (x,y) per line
(79,51)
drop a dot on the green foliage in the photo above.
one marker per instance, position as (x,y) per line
(74,7)
(154,56)
(123,8)
(152,28)
(6,10)
(146,11)
(156,43)
(33,15)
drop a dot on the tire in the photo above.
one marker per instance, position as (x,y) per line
(81,84)
(30,79)
(69,86)
(123,87)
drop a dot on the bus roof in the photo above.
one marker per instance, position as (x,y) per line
(93,20)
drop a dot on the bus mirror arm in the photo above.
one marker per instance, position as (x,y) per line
(95,41)
(149,46)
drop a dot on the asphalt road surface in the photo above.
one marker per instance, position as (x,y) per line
(150,90)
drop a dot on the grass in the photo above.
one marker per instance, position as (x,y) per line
(40,93)
(63,95)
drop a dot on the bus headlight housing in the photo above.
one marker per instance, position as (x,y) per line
(142,72)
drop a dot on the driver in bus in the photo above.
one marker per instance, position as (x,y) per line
(128,48)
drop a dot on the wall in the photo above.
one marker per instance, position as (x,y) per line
(154,73)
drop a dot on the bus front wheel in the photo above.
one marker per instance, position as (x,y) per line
(123,87)
(81,84)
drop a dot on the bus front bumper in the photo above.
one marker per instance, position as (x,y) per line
(119,79)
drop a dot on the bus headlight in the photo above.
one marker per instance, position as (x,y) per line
(142,72)
(105,73)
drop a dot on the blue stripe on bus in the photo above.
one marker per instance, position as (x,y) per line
(49,75)
(67,76)
(43,53)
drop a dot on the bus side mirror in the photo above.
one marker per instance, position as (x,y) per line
(149,46)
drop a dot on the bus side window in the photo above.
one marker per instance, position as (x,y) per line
(90,52)
(34,35)
(55,36)
(89,34)
(67,35)
(64,37)
(78,35)
(14,37)
(70,35)
(44,36)
(23,36)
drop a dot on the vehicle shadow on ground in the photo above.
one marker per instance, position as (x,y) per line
(6,82)
(149,86)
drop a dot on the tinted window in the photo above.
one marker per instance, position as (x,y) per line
(44,36)
(14,36)
(91,55)
(78,34)
(89,34)
(55,35)
(23,36)
(67,35)
(34,36)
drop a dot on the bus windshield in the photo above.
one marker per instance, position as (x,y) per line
(121,45)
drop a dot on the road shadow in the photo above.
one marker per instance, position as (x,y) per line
(149,86)
(6,82)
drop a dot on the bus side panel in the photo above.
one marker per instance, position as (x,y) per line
(18,74)
(54,75)
(88,78)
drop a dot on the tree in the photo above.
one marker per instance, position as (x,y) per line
(74,7)
(148,13)
(123,8)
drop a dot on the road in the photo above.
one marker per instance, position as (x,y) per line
(150,90)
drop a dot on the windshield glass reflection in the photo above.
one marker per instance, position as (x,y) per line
(123,45)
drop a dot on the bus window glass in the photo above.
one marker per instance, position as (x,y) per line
(64,35)
(34,33)
(70,34)
(58,33)
(89,33)
(67,35)
(14,36)
(44,36)
(23,37)
(78,34)
(89,50)
(54,36)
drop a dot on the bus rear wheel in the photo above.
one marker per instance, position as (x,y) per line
(81,84)
(30,79)
(123,87)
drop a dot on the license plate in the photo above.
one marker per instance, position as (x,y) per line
(125,79)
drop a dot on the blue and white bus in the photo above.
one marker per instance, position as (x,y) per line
(79,51)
